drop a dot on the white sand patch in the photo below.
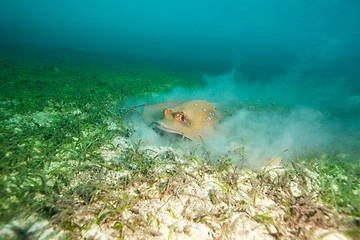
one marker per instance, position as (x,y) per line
(44,119)
(96,232)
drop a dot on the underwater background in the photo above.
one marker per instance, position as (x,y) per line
(285,74)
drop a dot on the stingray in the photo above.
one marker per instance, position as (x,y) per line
(194,119)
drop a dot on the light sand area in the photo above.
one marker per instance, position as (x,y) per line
(181,197)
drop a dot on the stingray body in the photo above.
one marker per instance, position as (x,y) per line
(194,119)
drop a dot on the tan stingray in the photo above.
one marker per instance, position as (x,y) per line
(194,119)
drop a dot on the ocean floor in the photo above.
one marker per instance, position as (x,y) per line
(77,162)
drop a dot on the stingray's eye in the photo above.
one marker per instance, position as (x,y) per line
(180,116)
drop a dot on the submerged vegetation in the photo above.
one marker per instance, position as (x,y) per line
(66,157)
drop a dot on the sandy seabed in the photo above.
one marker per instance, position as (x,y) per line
(187,199)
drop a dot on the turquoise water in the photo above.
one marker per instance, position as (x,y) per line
(259,34)
(285,76)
